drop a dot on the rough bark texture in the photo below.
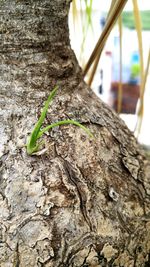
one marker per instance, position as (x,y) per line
(84,202)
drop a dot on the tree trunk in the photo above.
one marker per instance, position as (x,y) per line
(83,202)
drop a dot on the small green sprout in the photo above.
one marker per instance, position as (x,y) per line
(32,145)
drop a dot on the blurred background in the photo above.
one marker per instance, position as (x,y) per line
(119,63)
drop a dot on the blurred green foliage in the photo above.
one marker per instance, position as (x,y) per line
(135,70)
(128,19)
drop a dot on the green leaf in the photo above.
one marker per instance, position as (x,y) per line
(32,145)
(58,123)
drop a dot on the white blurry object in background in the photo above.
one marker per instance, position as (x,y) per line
(144,136)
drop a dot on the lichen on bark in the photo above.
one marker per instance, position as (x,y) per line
(84,202)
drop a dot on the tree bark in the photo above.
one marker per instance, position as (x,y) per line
(84,202)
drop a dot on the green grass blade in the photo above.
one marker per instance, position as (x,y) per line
(43,113)
(86,21)
(88,10)
(74,12)
(31,144)
(58,123)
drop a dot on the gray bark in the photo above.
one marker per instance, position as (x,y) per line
(84,202)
